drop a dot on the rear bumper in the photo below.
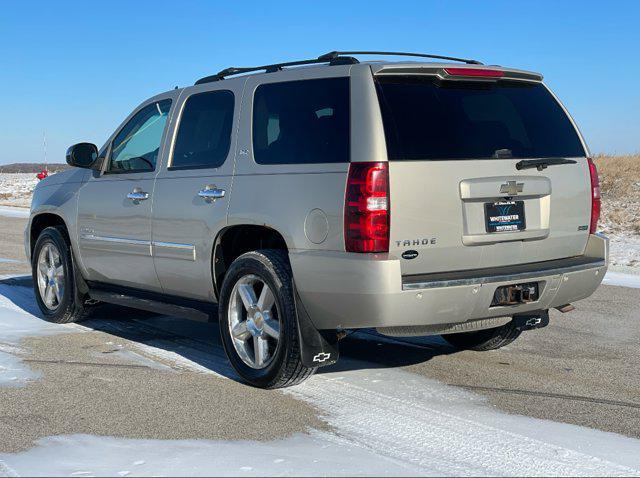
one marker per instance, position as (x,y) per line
(342,290)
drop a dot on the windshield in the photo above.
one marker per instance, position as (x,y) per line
(427,118)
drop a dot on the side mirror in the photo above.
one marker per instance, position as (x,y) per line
(82,155)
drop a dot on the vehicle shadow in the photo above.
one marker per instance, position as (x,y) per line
(186,342)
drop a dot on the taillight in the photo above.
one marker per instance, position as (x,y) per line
(595,196)
(482,72)
(366,208)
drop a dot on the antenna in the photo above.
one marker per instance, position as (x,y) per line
(44,147)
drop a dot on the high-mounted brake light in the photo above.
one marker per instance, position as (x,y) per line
(595,196)
(366,208)
(474,72)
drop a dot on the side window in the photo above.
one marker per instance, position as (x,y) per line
(204,134)
(137,145)
(301,122)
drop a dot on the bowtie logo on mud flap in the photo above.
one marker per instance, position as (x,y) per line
(321,357)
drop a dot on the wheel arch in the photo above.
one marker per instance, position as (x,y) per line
(233,241)
(39,223)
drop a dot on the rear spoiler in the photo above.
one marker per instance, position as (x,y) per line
(454,72)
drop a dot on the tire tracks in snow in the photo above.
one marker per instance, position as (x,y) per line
(429,425)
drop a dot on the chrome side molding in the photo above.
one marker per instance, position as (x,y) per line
(174,250)
(168,250)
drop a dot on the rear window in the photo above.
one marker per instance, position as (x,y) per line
(302,122)
(427,118)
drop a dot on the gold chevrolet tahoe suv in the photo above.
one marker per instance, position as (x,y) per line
(299,200)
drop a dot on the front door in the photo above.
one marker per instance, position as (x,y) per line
(191,194)
(114,207)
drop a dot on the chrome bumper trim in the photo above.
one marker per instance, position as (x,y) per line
(503,277)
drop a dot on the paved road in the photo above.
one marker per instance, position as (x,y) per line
(12,258)
(102,379)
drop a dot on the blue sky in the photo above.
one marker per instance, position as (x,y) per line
(76,69)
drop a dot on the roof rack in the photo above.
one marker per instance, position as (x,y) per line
(221,75)
(332,58)
(336,54)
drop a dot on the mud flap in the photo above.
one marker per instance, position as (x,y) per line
(81,289)
(532,320)
(318,348)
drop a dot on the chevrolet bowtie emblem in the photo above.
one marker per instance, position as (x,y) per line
(511,188)
(321,357)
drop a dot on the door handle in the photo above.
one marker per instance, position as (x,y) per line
(137,195)
(211,193)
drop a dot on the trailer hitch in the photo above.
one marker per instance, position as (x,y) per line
(515,294)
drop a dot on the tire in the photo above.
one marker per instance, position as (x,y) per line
(483,340)
(63,306)
(261,359)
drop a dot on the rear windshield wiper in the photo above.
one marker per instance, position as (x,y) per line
(541,164)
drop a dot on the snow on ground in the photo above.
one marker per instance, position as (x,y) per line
(385,422)
(16,188)
(299,455)
(13,211)
(448,431)
(12,371)
(624,251)
(11,261)
(622,279)
(15,324)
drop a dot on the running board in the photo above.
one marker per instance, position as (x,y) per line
(151,305)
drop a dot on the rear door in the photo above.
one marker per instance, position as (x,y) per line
(192,190)
(457,197)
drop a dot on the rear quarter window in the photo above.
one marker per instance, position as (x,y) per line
(429,119)
(204,135)
(301,122)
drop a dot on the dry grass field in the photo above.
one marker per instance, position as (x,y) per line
(620,184)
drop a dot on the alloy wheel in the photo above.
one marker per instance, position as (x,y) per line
(254,321)
(50,275)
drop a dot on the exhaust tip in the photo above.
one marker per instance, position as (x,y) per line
(565,308)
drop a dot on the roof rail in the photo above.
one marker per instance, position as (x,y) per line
(221,75)
(337,54)
(333,58)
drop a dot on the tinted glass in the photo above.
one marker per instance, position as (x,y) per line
(204,135)
(137,145)
(425,118)
(302,122)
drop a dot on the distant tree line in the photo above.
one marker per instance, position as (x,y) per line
(32,167)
